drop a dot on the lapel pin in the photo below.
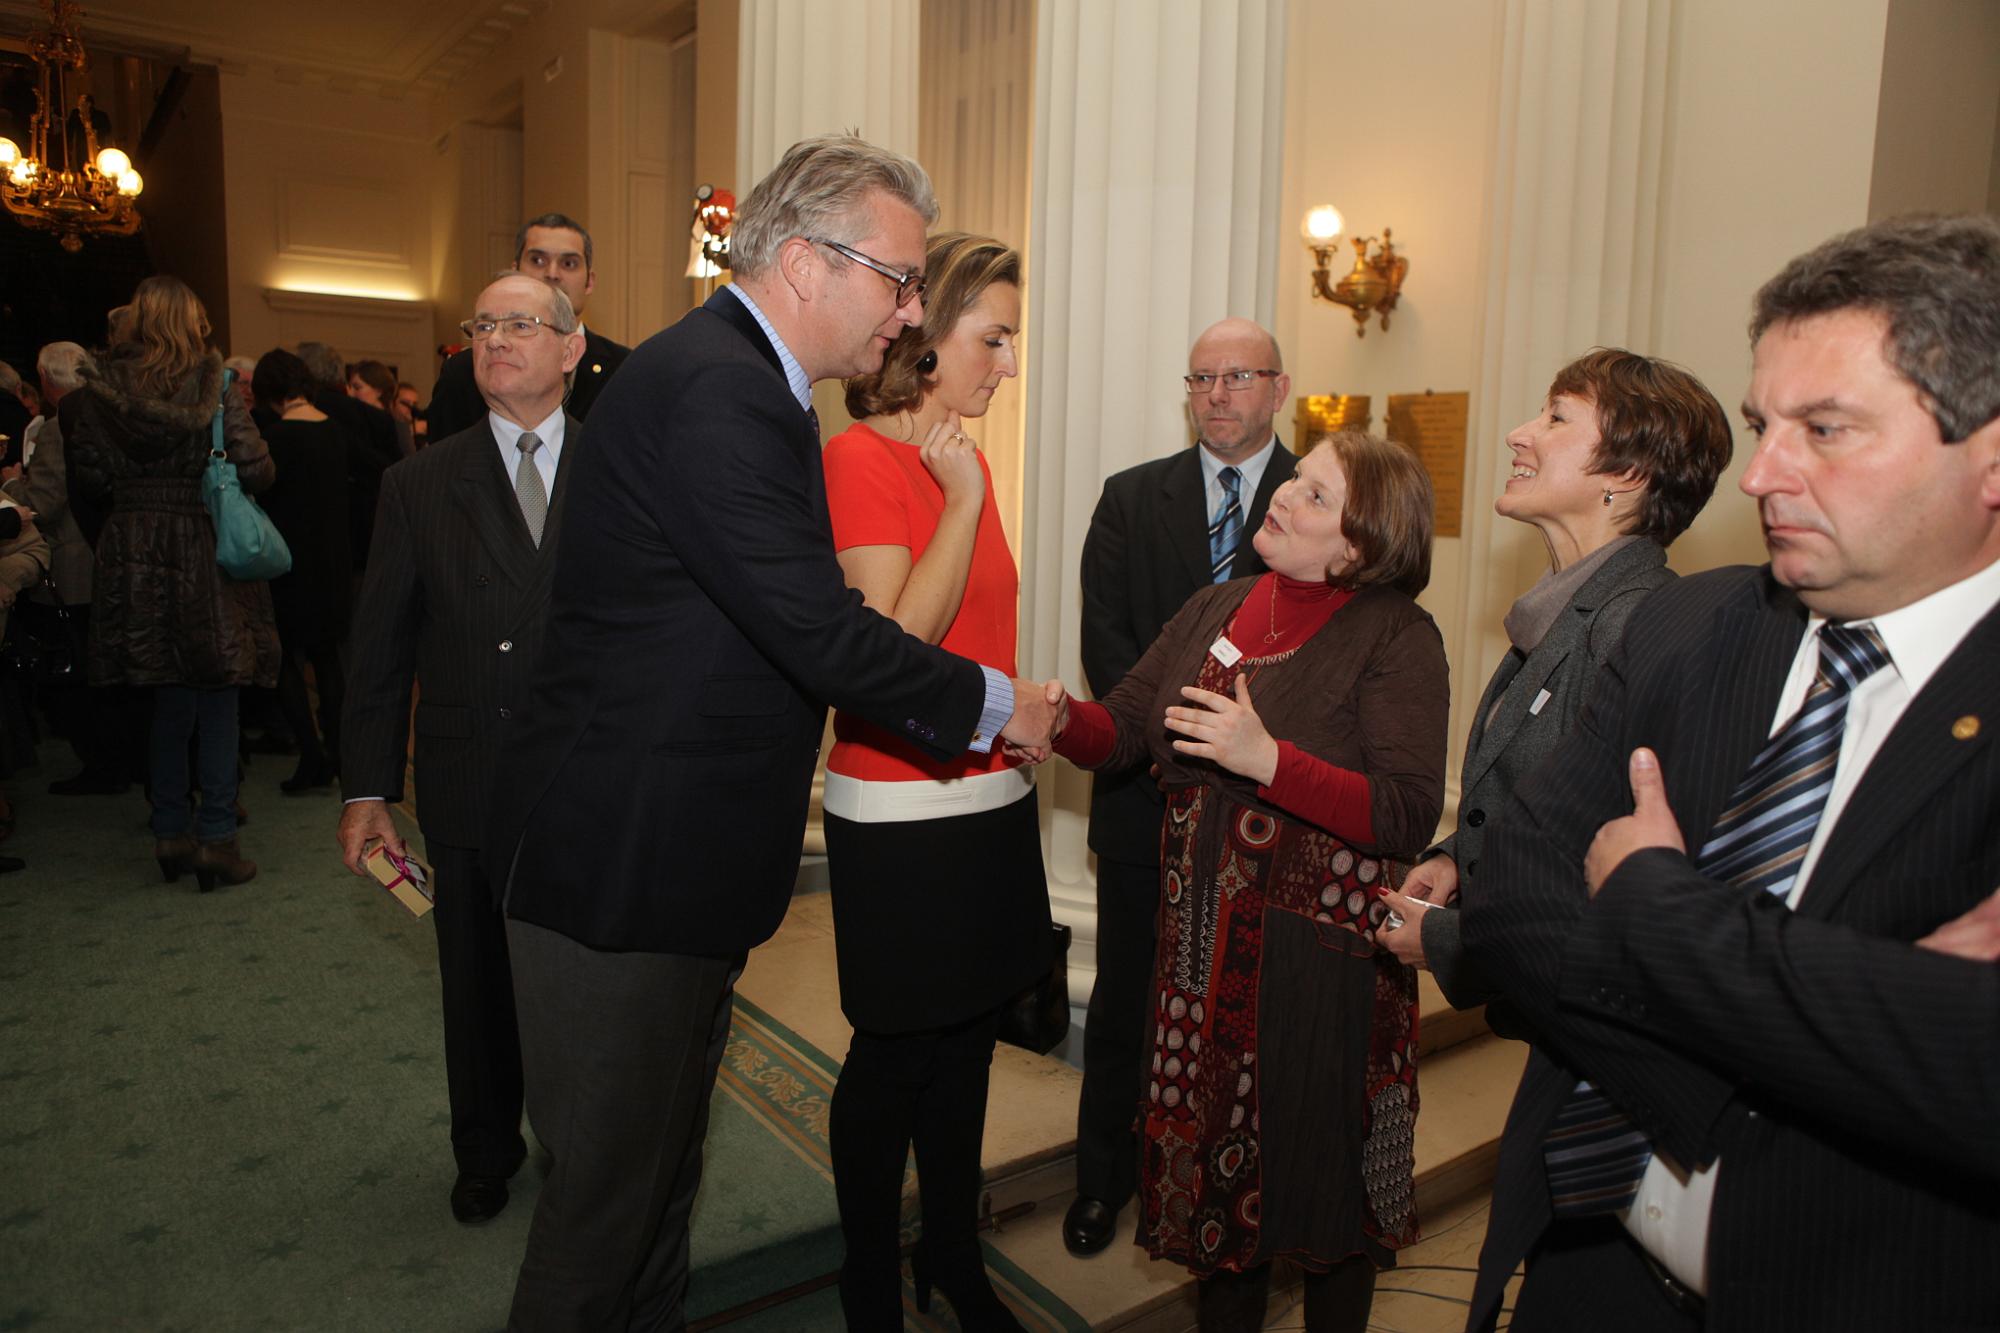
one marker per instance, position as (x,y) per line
(1965,728)
(597,368)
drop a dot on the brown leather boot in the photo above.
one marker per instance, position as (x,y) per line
(218,861)
(175,855)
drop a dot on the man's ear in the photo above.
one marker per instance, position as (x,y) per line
(800,266)
(1985,446)
(572,350)
(589,283)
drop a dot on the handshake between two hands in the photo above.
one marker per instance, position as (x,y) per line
(1041,711)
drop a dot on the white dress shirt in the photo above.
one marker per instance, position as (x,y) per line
(507,436)
(1252,469)
(1669,1216)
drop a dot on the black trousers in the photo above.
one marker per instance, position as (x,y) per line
(482,1042)
(621,1052)
(1336,1301)
(1114,1035)
(926,1089)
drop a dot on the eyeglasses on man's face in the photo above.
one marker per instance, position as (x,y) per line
(514,327)
(908,285)
(1231,380)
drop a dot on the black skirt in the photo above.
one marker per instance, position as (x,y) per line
(937,920)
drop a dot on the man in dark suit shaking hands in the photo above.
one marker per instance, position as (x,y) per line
(555,249)
(1160,531)
(464,548)
(1743,1110)
(653,806)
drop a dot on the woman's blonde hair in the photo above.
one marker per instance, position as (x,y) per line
(165,333)
(958,268)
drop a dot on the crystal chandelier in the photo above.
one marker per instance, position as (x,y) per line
(45,184)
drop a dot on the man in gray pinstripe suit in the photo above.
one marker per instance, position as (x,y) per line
(454,603)
(1801,1105)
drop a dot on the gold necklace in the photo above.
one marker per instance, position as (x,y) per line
(1273,636)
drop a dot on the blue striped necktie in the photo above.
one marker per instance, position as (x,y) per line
(1227,530)
(1596,1155)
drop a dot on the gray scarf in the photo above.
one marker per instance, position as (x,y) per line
(1530,618)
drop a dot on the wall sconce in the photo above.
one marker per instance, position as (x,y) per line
(1371,286)
(708,232)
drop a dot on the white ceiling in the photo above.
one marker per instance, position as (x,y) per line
(389,46)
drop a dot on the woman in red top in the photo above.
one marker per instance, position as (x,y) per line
(940,906)
(1298,723)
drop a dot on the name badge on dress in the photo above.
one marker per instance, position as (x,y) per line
(1225,652)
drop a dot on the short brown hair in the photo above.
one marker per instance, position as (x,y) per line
(1390,512)
(958,269)
(1657,420)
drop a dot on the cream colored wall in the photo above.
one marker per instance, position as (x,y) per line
(1934,151)
(1388,113)
(326,192)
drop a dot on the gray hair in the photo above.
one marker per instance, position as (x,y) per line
(1936,281)
(815,191)
(10,379)
(562,313)
(62,364)
(325,365)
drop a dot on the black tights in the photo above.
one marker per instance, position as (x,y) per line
(319,751)
(926,1089)
(1337,1300)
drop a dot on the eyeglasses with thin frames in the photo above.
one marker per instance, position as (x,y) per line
(516,327)
(1231,380)
(907,284)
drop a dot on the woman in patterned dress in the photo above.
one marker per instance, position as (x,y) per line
(1298,720)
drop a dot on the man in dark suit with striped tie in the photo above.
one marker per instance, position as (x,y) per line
(453,604)
(1161,530)
(1752,1103)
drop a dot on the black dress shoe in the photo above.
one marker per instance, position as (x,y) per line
(1088,1226)
(476,1199)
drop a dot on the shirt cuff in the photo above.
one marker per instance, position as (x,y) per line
(998,712)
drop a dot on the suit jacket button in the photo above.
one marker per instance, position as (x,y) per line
(1472,866)
(506,713)
(506,645)
(1476,818)
(480,580)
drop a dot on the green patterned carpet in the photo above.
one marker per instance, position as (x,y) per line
(227,1111)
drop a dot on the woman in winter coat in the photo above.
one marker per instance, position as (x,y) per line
(164,615)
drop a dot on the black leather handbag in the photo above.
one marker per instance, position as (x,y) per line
(1038,1018)
(44,643)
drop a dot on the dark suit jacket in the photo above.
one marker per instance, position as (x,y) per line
(454,603)
(373,447)
(1498,756)
(455,402)
(1860,1177)
(699,628)
(1145,554)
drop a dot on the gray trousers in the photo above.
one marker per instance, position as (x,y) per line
(620,1052)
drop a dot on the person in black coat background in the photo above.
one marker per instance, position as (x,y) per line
(453,607)
(556,249)
(309,505)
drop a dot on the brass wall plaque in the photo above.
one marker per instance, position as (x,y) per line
(1433,426)
(1320,415)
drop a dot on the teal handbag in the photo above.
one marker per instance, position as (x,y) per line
(247,544)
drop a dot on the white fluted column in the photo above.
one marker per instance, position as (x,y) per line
(1570,257)
(808,67)
(1158,137)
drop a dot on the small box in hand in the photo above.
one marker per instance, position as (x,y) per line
(406,878)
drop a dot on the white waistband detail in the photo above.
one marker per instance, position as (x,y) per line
(867,802)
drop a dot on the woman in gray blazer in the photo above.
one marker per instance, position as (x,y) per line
(1620,459)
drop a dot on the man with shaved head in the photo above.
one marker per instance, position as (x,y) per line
(1161,530)
(453,603)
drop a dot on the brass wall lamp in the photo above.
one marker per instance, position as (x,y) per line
(1376,279)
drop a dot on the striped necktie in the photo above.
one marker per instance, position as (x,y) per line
(1596,1155)
(1226,531)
